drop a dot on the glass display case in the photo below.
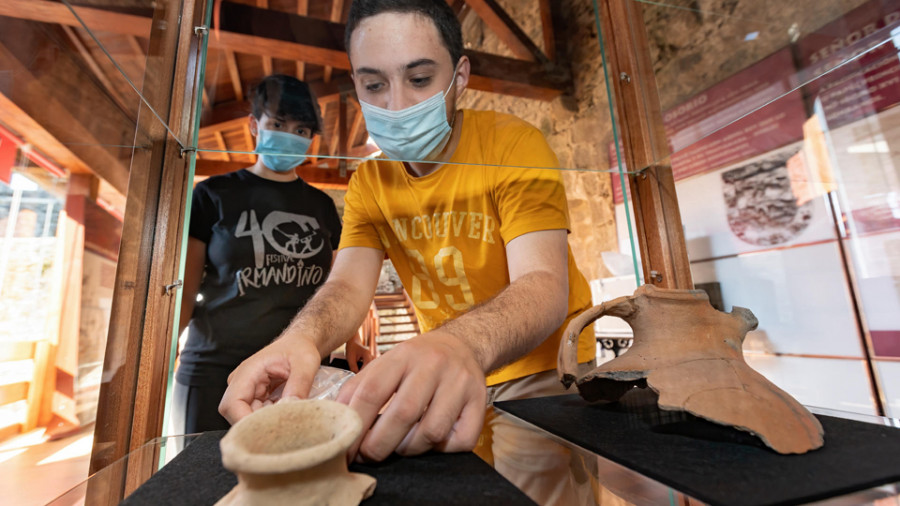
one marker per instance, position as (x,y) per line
(779,122)
(602,481)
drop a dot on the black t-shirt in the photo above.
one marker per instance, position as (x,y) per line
(269,247)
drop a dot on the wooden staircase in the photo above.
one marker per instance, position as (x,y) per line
(397,320)
(391,320)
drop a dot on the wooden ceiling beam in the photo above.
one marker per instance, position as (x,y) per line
(302,10)
(334,141)
(518,78)
(357,124)
(321,42)
(460,8)
(293,37)
(136,47)
(39,95)
(92,64)
(20,122)
(337,9)
(314,41)
(235,75)
(546,7)
(206,104)
(506,28)
(223,148)
(223,113)
(286,36)
(314,149)
(231,124)
(46,11)
(343,134)
(266,60)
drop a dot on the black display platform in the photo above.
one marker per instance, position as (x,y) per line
(716,464)
(196,477)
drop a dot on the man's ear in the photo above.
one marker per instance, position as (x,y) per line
(254,126)
(464,70)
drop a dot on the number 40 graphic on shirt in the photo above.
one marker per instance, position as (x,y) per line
(290,241)
(458,278)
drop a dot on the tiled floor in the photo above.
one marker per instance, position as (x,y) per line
(34,471)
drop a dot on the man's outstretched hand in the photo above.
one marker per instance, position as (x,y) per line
(284,369)
(430,392)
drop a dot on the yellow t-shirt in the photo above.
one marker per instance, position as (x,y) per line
(446,232)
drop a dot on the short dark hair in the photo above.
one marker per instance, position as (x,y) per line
(288,97)
(437,11)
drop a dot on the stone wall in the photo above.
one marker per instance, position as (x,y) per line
(577,127)
(694,45)
(704,41)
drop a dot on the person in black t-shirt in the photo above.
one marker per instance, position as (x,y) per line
(261,242)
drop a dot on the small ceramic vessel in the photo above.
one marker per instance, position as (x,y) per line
(295,453)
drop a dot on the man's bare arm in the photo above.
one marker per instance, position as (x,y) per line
(338,308)
(435,382)
(532,307)
(328,320)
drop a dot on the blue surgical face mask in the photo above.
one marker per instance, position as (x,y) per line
(416,133)
(270,143)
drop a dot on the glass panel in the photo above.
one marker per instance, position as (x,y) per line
(601,481)
(56,100)
(149,458)
(716,63)
(566,98)
(114,40)
(29,216)
(562,93)
(780,120)
(75,111)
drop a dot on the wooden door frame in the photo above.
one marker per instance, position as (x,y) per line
(136,365)
(645,148)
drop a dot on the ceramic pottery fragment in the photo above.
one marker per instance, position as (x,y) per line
(690,354)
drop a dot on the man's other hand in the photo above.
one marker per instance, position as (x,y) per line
(430,392)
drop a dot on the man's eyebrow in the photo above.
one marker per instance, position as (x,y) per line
(419,63)
(409,66)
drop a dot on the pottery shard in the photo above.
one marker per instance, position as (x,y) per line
(690,354)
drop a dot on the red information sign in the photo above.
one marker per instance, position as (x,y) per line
(859,52)
(714,130)
(710,131)
(8,151)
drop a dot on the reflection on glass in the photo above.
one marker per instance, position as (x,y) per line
(29,216)
(71,97)
(764,53)
(780,121)
(57,101)
(550,80)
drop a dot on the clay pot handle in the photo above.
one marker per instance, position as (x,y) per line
(567,365)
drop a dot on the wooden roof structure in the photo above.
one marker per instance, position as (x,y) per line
(90,97)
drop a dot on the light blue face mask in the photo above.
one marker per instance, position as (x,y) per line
(419,132)
(277,144)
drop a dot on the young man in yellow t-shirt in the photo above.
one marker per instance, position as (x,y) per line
(474,218)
